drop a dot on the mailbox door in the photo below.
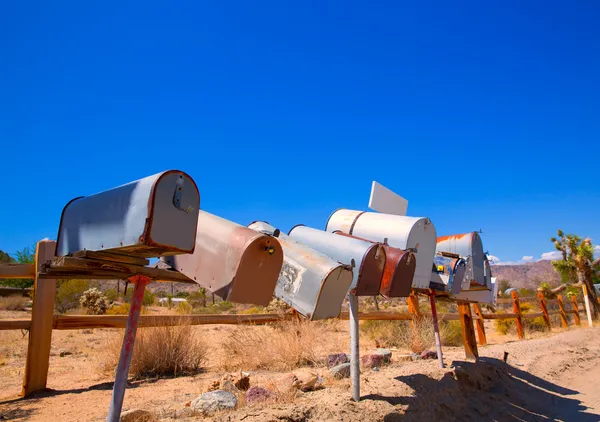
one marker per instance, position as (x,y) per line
(146,218)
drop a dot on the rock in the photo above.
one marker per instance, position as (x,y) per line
(243,382)
(340,371)
(306,380)
(373,360)
(386,353)
(415,356)
(212,401)
(64,353)
(137,415)
(214,386)
(376,369)
(186,412)
(289,381)
(428,354)
(258,394)
(336,359)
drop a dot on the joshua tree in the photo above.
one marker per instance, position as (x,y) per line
(577,264)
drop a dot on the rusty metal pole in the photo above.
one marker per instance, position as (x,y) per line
(354,346)
(118,394)
(436,329)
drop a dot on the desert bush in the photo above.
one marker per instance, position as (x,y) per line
(197,299)
(505,326)
(184,308)
(451,333)
(68,294)
(148,300)
(254,310)
(111,295)
(93,301)
(159,351)
(121,309)
(281,346)
(13,303)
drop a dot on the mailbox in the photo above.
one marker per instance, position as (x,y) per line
(310,282)
(469,247)
(449,273)
(367,258)
(150,217)
(414,233)
(398,272)
(232,261)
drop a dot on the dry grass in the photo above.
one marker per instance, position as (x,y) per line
(159,351)
(13,303)
(281,346)
(416,337)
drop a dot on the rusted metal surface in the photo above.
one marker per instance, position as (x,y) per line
(234,262)
(415,233)
(368,258)
(469,247)
(311,282)
(150,217)
(398,272)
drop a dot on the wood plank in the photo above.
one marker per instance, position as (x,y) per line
(113,257)
(575,310)
(519,318)
(479,323)
(499,316)
(468,332)
(531,316)
(40,332)
(15,324)
(20,271)
(563,315)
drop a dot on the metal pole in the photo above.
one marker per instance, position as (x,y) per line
(587,306)
(436,329)
(118,394)
(354,347)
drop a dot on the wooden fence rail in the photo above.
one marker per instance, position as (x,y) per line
(43,321)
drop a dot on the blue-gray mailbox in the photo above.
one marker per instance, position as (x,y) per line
(151,217)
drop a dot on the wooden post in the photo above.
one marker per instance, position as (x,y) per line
(466,321)
(42,318)
(544,309)
(563,315)
(586,301)
(413,306)
(576,309)
(517,310)
(480,326)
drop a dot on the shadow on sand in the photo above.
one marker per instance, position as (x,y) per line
(489,390)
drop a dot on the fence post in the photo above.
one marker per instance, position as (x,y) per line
(466,321)
(480,326)
(544,309)
(563,315)
(413,307)
(40,331)
(576,309)
(586,301)
(517,310)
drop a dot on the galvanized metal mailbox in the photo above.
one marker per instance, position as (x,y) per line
(312,283)
(367,258)
(414,233)
(232,261)
(398,272)
(469,247)
(449,273)
(151,217)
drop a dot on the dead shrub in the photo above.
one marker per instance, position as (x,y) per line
(13,303)
(159,351)
(280,346)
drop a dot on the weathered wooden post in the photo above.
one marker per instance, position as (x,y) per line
(519,318)
(413,308)
(544,309)
(563,314)
(576,310)
(118,394)
(480,325)
(588,310)
(466,321)
(40,333)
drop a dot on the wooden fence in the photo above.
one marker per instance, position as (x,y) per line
(43,320)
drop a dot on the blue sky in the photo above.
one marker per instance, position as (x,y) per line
(482,116)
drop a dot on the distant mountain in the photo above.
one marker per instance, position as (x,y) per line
(528,275)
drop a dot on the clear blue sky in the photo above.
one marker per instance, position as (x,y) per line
(483,116)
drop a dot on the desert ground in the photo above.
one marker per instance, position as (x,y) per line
(548,376)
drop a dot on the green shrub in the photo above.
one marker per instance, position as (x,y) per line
(111,295)
(148,300)
(184,308)
(451,333)
(68,294)
(93,301)
(182,294)
(197,299)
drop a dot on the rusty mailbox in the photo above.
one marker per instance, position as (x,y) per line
(406,233)
(469,247)
(310,282)
(398,272)
(232,261)
(151,217)
(367,258)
